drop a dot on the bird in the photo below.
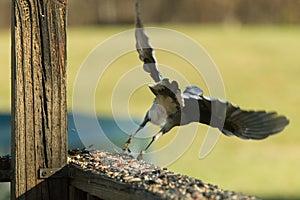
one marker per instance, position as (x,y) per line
(172,107)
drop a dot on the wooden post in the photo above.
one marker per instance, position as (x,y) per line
(39,110)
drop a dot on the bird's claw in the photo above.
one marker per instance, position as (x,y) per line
(140,156)
(126,145)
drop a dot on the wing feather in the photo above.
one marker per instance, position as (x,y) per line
(245,124)
(168,95)
(144,49)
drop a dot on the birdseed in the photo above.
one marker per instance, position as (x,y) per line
(141,175)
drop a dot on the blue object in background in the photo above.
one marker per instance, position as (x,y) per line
(109,126)
(5,134)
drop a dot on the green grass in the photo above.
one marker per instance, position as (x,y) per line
(3,191)
(260,66)
(5,71)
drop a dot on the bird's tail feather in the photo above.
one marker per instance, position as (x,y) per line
(245,124)
(253,124)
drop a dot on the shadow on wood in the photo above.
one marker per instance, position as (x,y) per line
(5,169)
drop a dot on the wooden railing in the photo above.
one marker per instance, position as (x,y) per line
(94,175)
(5,169)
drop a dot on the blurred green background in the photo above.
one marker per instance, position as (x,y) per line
(258,58)
(260,66)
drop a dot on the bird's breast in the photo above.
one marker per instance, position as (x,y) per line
(158,115)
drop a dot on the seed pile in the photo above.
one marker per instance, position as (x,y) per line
(141,175)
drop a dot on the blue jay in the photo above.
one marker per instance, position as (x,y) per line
(171,107)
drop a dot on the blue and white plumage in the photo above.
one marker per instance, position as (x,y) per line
(171,107)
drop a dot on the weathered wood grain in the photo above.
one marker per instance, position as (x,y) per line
(102,187)
(39,110)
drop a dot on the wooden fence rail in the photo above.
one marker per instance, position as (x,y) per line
(96,175)
(5,169)
(103,187)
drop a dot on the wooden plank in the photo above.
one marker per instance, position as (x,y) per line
(76,194)
(5,175)
(39,111)
(5,168)
(90,197)
(104,188)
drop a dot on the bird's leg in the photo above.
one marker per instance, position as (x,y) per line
(128,142)
(154,138)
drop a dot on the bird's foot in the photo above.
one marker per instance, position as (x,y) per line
(140,156)
(127,144)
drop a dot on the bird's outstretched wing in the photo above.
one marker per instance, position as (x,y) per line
(144,49)
(245,124)
(253,124)
(168,95)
